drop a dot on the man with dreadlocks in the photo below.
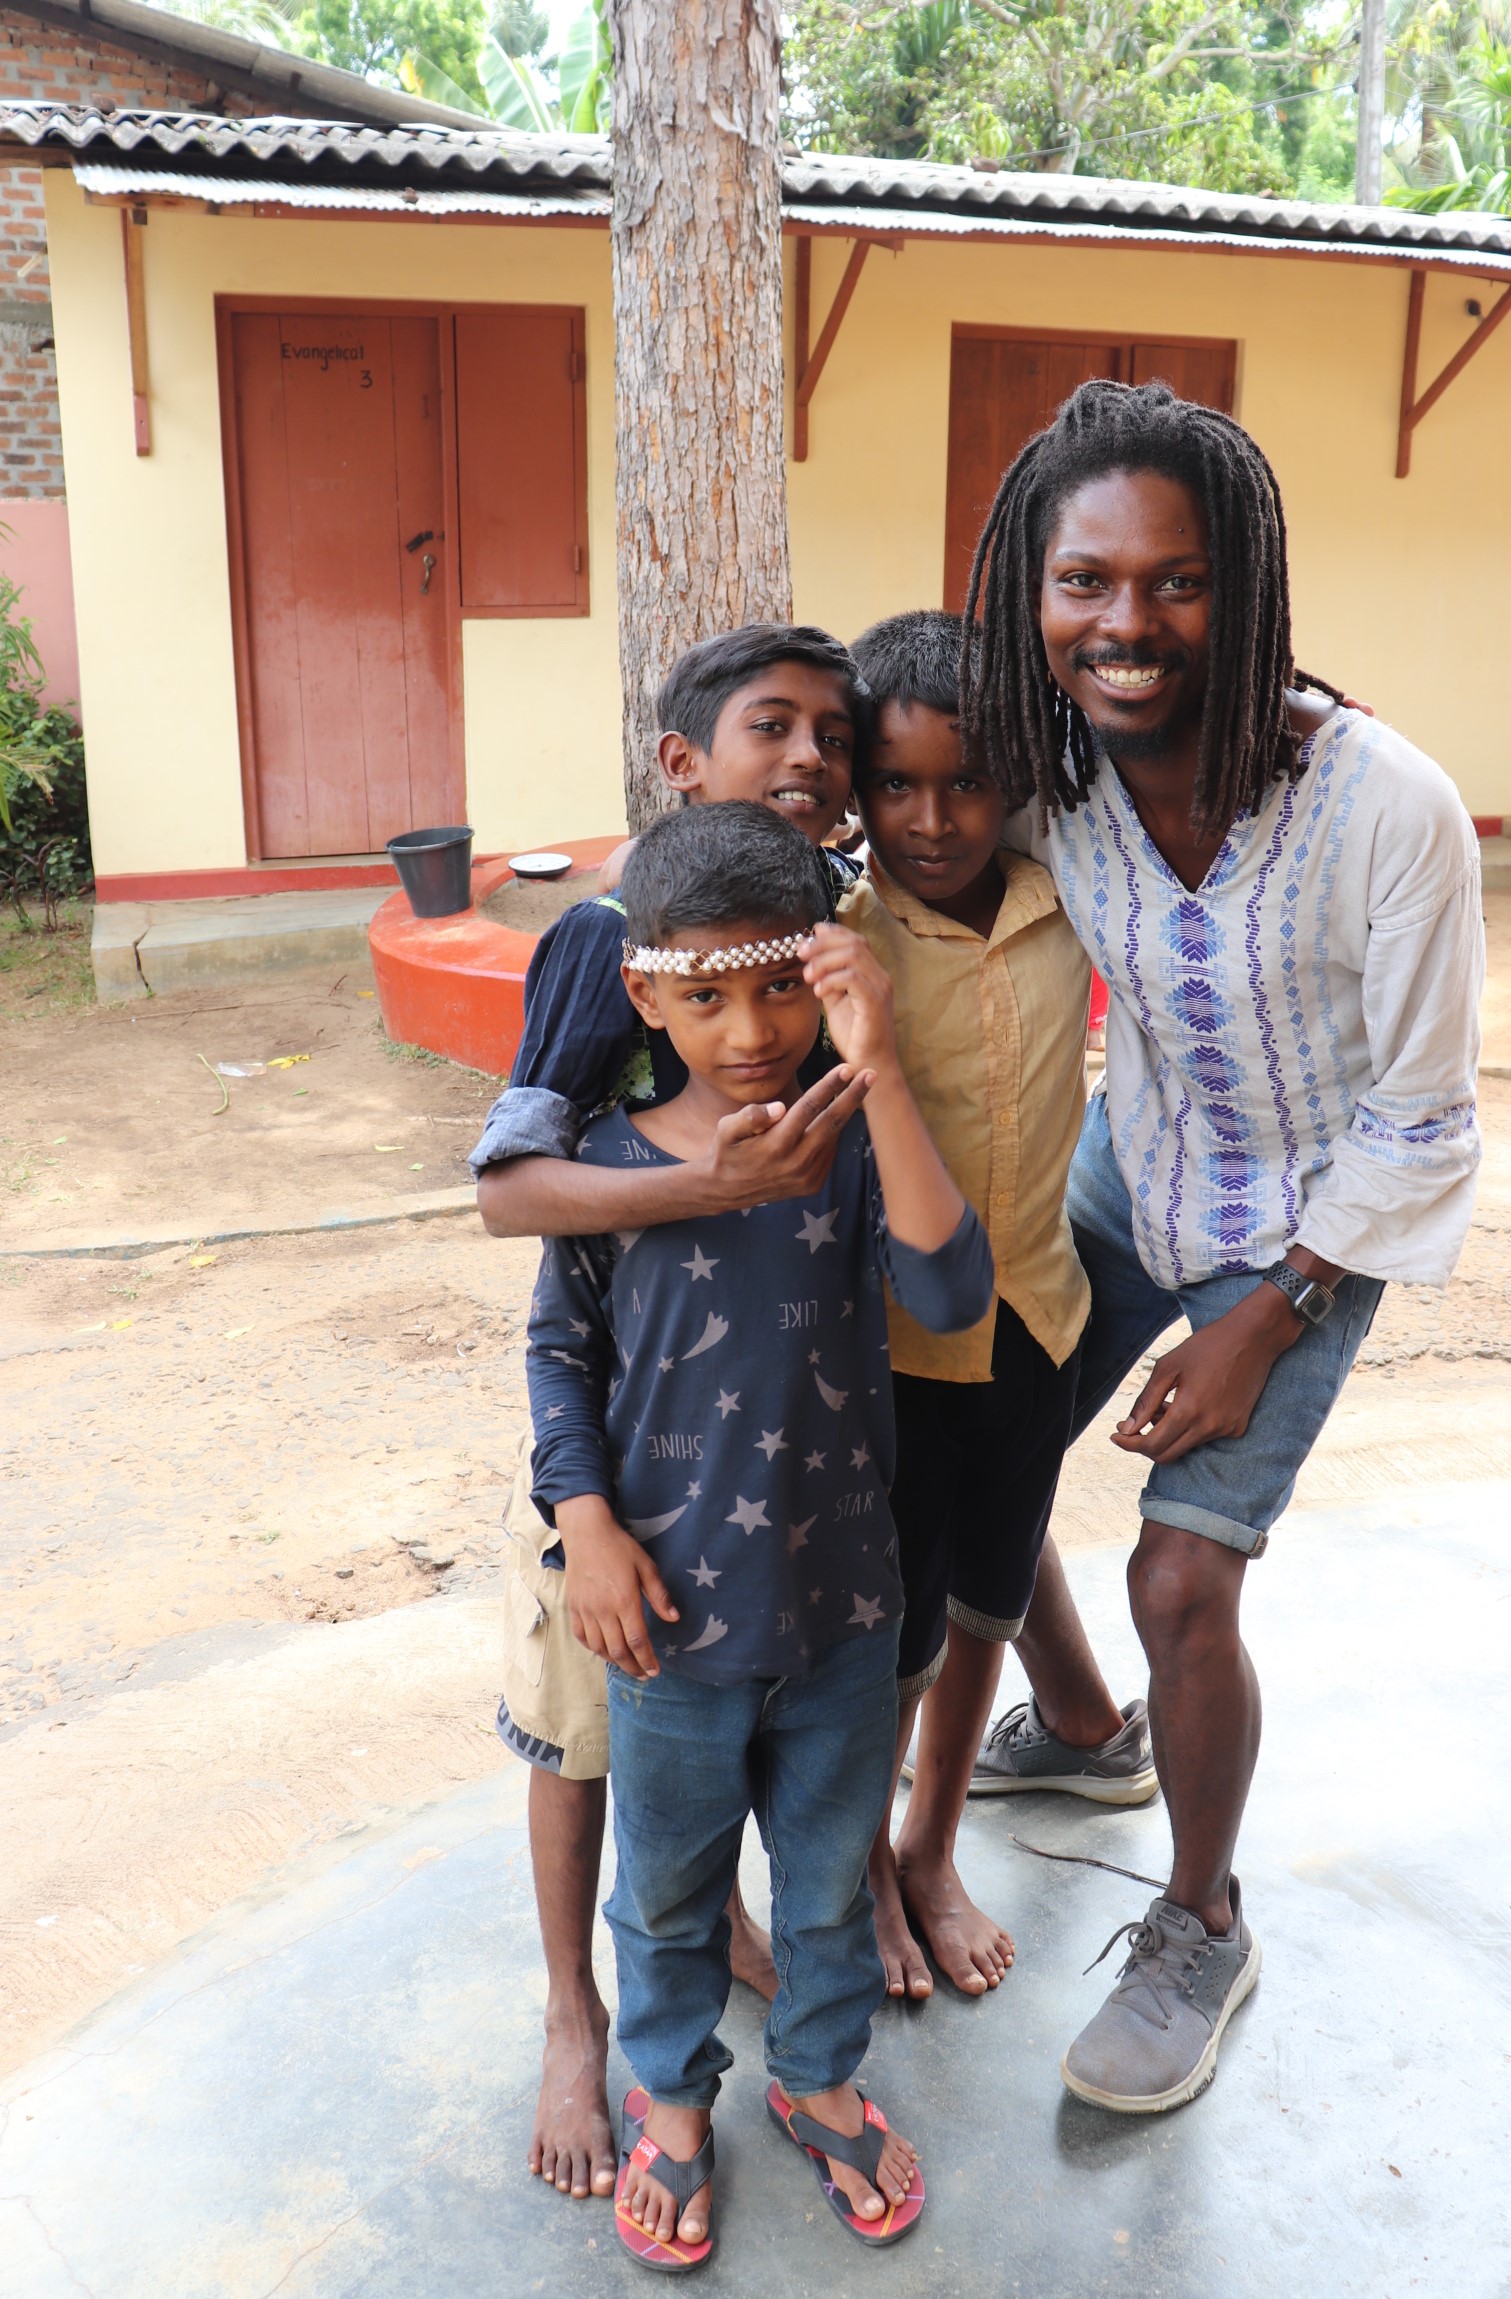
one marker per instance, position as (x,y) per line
(1284,897)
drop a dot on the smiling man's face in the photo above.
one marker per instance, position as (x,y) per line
(786,740)
(1125,609)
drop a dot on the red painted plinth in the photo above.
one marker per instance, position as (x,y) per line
(457,985)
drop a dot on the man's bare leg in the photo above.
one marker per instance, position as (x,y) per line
(969,1947)
(749,1948)
(902,1959)
(1069,1689)
(572,2144)
(1204,1708)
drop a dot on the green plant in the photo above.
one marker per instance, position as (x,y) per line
(1467,164)
(44,817)
(515,89)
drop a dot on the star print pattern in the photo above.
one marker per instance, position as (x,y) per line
(749,1439)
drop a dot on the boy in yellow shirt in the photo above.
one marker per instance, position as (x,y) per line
(991,990)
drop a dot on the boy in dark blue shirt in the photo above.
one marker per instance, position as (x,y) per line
(717,1468)
(776,715)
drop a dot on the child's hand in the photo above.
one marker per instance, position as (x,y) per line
(856,994)
(610,1579)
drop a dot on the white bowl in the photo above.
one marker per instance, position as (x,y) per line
(540,865)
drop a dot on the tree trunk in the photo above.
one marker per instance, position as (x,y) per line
(700,480)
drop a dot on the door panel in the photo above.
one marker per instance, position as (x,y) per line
(1200,371)
(339,438)
(1002,390)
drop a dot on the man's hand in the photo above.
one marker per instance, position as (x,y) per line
(1209,1384)
(856,992)
(610,1579)
(765,1152)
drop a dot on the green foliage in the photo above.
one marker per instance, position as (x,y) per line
(44,815)
(1180,91)
(514,88)
(1463,157)
(374,37)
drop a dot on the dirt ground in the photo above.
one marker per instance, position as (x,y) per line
(250,1492)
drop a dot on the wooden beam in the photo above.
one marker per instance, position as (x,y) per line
(809,366)
(802,317)
(1412,408)
(133,224)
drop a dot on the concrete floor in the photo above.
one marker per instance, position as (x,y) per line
(328,2093)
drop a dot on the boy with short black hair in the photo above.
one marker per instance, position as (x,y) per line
(745,1433)
(991,999)
(778,715)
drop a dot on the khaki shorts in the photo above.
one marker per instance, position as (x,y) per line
(554,1712)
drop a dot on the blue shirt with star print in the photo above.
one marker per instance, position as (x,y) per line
(723,1383)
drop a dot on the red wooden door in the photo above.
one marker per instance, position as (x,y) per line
(1002,390)
(1200,371)
(346,670)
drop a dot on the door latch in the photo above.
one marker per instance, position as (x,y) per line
(426,535)
(428,563)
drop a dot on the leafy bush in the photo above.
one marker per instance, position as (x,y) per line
(44,810)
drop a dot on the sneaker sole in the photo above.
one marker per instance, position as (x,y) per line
(1158,2103)
(1137,1788)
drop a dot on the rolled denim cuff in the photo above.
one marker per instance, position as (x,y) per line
(527,1121)
(1186,1517)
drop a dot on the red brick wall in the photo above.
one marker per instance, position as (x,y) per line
(41,63)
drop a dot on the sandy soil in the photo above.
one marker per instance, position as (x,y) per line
(250,1494)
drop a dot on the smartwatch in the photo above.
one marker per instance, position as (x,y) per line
(1312,1302)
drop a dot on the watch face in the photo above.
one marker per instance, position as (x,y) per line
(1314,1304)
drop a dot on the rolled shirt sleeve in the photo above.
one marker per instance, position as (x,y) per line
(946,1290)
(1397,1198)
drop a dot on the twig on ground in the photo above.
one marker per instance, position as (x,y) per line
(1084,1860)
(225,1091)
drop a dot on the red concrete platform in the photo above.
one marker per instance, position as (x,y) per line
(457,985)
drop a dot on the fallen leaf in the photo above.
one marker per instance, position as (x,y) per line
(58,1140)
(1390,2167)
(286,1061)
(202,1260)
(417,1169)
(92,1328)
(367,993)
(119,1324)
(298,1090)
(237,1331)
(386,1149)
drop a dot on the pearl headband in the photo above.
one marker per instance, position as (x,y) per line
(646,960)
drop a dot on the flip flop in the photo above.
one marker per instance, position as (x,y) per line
(682,2180)
(863,2154)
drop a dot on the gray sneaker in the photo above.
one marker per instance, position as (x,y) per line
(1020,1752)
(1153,2045)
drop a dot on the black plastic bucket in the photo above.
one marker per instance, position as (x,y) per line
(435,870)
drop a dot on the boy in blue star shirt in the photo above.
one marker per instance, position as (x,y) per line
(714,1443)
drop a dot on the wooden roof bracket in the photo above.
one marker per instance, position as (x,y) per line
(808,365)
(133,224)
(1413,408)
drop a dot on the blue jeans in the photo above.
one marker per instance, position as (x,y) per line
(1232,1489)
(812,1758)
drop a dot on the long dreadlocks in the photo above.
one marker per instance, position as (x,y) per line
(1014,716)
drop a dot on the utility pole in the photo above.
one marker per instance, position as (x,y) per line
(1369,156)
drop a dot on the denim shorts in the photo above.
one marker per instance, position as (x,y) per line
(1232,1489)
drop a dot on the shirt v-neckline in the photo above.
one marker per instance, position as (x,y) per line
(1225,861)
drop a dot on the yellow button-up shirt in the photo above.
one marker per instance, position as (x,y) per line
(992,1038)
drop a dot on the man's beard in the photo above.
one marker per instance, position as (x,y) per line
(1147,743)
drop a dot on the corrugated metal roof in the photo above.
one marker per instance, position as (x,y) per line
(840,193)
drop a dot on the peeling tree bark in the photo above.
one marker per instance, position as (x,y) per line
(700,481)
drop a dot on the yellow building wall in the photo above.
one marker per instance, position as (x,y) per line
(151,559)
(1400,586)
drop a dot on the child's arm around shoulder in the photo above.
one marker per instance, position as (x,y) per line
(944,1273)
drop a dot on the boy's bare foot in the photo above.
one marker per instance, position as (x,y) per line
(902,1958)
(844,2111)
(750,1951)
(679,2132)
(572,2144)
(969,1946)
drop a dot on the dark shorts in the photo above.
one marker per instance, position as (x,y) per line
(977,1466)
